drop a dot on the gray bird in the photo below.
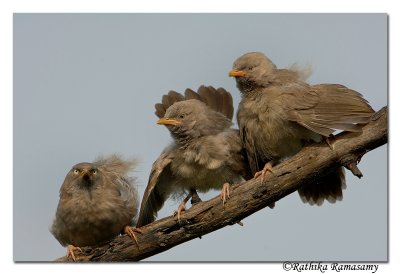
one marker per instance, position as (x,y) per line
(279,113)
(98,201)
(218,99)
(206,153)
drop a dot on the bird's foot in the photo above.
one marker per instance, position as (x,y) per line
(330,140)
(130,231)
(225,193)
(70,251)
(178,212)
(263,172)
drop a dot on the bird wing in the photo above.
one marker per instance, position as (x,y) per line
(238,157)
(325,108)
(217,99)
(157,188)
(249,147)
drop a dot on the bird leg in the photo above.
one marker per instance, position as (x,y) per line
(195,197)
(267,167)
(130,231)
(182,207)
(70,251)
(225,192)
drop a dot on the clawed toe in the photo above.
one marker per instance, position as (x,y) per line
(225,193)
(263,172)
(70,251)
(130,231)
(178,212)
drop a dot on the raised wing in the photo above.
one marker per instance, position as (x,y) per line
(157,190)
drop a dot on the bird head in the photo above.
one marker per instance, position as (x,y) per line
(252,70)
(191,119)
(84,175)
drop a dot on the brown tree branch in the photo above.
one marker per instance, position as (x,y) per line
(247,197)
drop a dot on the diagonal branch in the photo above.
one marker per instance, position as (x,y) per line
(247,197)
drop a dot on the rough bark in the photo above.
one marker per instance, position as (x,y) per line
(247,197)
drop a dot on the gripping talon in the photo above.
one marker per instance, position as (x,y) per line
(225,193)
(181,208)
(70,251)
(263,172)
(130,231)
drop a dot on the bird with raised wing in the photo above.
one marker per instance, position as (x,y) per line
(206,153)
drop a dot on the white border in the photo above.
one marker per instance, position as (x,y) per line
(284,6)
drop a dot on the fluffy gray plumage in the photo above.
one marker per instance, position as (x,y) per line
(97,201)
(279,113)
(205,152)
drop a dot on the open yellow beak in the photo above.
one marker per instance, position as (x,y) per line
(237,73)
(167,121)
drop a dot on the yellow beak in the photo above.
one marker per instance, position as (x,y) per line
(237,73)
(167,121)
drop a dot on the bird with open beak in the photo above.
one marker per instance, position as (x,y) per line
(279,113)
(206,153)
(98,201)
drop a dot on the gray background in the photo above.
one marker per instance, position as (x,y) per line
(86,85)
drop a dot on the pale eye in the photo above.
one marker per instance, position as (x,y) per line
(76,172)
(94,171)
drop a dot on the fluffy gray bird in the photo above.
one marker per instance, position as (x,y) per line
(205,153)
(97,202)
(279,113)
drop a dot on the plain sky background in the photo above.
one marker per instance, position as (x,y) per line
(86,85)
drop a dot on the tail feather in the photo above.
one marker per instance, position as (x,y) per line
(327,188)
(217,99)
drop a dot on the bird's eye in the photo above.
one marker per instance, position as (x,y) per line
(94,171)
(250,68)
(182,115)
(76,172)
